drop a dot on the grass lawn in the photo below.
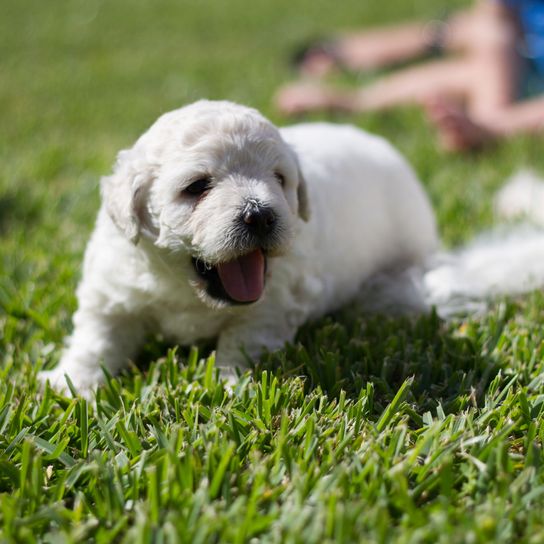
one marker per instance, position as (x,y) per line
(366,430)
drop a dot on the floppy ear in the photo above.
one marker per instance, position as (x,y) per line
(123,193)
(303,204)
(302,197)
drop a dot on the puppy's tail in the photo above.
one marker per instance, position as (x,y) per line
(507,261)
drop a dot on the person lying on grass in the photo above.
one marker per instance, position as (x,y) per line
(487,83)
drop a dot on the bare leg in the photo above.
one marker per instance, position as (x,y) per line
(458,131)
(415,85)
(409,86)
(491,111)
(485,74)
(370,49)
(381,47)
(520,118)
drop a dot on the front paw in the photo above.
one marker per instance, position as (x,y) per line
(84,381)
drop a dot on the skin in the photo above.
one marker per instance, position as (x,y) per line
(470,96)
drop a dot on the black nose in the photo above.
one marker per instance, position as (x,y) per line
(259,219)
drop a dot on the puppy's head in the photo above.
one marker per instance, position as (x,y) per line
(215,183)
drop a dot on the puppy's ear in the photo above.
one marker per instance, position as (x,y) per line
(123,193)
(302,197)
(303,204)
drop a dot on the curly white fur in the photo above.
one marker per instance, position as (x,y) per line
(507,261)
(349,207)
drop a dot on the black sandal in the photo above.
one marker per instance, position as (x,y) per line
(325,48)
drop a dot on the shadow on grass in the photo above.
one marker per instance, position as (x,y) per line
(18,208)
(343,352)
(448,365)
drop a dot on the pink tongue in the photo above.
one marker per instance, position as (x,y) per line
(243,278)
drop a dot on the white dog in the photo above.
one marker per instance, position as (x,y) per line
(216,224)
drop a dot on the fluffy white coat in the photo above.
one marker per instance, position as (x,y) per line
(349,206)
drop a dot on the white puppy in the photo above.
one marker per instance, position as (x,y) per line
(216,224)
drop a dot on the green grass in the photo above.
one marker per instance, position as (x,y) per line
(367,429)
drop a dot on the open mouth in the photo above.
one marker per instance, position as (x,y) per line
(240,281)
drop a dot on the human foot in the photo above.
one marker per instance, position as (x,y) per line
(318,59)
(300,98)
(456,130)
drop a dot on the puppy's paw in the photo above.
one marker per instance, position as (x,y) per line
(83,382)
(439,284)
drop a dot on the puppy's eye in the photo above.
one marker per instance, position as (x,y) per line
(280,178)
(198,187)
